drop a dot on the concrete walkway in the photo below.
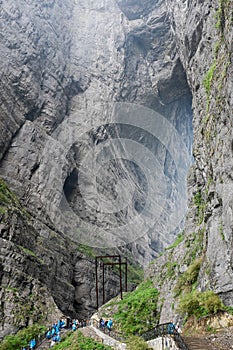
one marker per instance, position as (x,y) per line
(95,333)
(195,343)
(101,337)
(155,344)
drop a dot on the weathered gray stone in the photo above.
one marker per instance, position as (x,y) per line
(203,31)
(65,70)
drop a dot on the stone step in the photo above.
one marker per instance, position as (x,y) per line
(196,343)
(46,343)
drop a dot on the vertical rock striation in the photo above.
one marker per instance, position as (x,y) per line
(203,32)
(74,78)
(99,64)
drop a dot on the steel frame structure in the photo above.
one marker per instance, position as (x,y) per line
(111,263)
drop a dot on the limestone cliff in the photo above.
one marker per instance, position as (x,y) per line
(96,140)
(112,113)
(204,37)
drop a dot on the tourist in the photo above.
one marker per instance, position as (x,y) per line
(102,324)
(170,328)
(53,341)
(32,343)
(109,325)
(48,334)
(74,327)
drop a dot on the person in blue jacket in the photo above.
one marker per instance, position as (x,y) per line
(74,327)
(48,334)
(58,338)
(170,328)
(109,325)
(32,344)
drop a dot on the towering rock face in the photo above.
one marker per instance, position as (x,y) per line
(96,136)
(204,37)
(103,150)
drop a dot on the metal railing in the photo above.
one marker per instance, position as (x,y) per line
(112,332)
(162,330)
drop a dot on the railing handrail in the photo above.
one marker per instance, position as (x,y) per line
(163,329)
(113,333)
(158,331)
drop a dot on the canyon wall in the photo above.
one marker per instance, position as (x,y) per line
(204,37)
(96,125)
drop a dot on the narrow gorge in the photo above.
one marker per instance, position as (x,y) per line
(116,138)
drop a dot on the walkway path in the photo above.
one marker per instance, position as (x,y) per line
(193,343)
(95,333)
(46,343)
(197,343)
(90,332)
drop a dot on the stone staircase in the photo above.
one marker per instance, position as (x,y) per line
(193,343)
(90,332)
(198,343)
(97,334)
(46,343)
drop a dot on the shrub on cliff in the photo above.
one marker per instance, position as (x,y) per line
(200,304)
(137,312)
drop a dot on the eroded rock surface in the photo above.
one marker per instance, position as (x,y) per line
(68,72)
(107,71)
(204,37)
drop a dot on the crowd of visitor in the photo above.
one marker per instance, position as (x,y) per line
(105,324)
(54,332)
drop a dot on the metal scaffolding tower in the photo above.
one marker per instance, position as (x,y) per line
(108,262)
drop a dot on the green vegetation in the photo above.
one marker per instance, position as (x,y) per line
(200,304)
(209,77)
(136,343)
(138,310)
(77,341)
(178,240)
(30,305)
(221,59)
(5,194)
(187,280)
(219,17)
(197,245)
(8,200)
(22,338)
(87,250)
(210,329)
(222,14)
(135,274)
(31,253)
(170,267)
(27,251)
(229,309)
(201,206)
